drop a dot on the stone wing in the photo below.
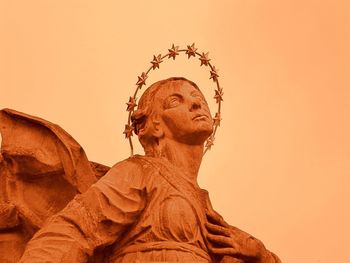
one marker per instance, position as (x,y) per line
(41,169)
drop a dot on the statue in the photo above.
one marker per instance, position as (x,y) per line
(144,209)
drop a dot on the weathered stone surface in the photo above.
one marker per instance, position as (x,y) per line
(41,169)
(143,209)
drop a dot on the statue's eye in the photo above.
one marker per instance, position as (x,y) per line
(173,102)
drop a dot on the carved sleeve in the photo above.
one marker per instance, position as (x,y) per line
(97,218)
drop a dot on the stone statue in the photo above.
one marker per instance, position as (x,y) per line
(56,206)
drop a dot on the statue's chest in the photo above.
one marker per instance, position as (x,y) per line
(179,218)
(179,214)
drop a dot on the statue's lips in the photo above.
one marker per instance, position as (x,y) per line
(200,117)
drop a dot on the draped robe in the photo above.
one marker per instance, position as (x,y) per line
(144,209)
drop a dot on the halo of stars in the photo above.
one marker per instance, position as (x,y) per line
(173,52)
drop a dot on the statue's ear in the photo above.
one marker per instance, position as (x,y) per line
(157,129)
(152,128)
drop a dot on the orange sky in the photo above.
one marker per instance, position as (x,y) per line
(280,167)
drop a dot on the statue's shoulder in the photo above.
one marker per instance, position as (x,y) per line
(135,170)
(135,163)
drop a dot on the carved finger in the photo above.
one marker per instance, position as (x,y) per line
(215,229)
(220,240)
(223,251)
(216,219)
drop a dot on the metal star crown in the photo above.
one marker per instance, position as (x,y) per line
(190,51)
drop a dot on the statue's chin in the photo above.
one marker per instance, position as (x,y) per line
(199,136)
(205,132)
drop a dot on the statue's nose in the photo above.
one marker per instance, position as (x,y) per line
(195,105)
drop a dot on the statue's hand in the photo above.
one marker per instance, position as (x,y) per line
(227,240)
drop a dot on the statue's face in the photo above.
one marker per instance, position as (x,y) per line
(184,113)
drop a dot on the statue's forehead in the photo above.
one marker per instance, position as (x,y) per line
(182,88)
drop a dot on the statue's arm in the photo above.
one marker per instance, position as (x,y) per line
(91,220)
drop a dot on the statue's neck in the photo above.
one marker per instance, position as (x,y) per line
(186,157)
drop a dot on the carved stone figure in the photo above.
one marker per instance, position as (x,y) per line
(144,209)
(57,206)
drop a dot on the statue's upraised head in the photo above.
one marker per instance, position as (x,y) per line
(173,109)
(138,122)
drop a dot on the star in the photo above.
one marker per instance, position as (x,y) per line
(217,119)
(156,61)
(131,104)
(141,80)
(210,142)
(128,131)
(204,59)
(214,74)
(218,95)
(191,50)
(173,52)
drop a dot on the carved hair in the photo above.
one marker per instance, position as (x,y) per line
(146,106)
